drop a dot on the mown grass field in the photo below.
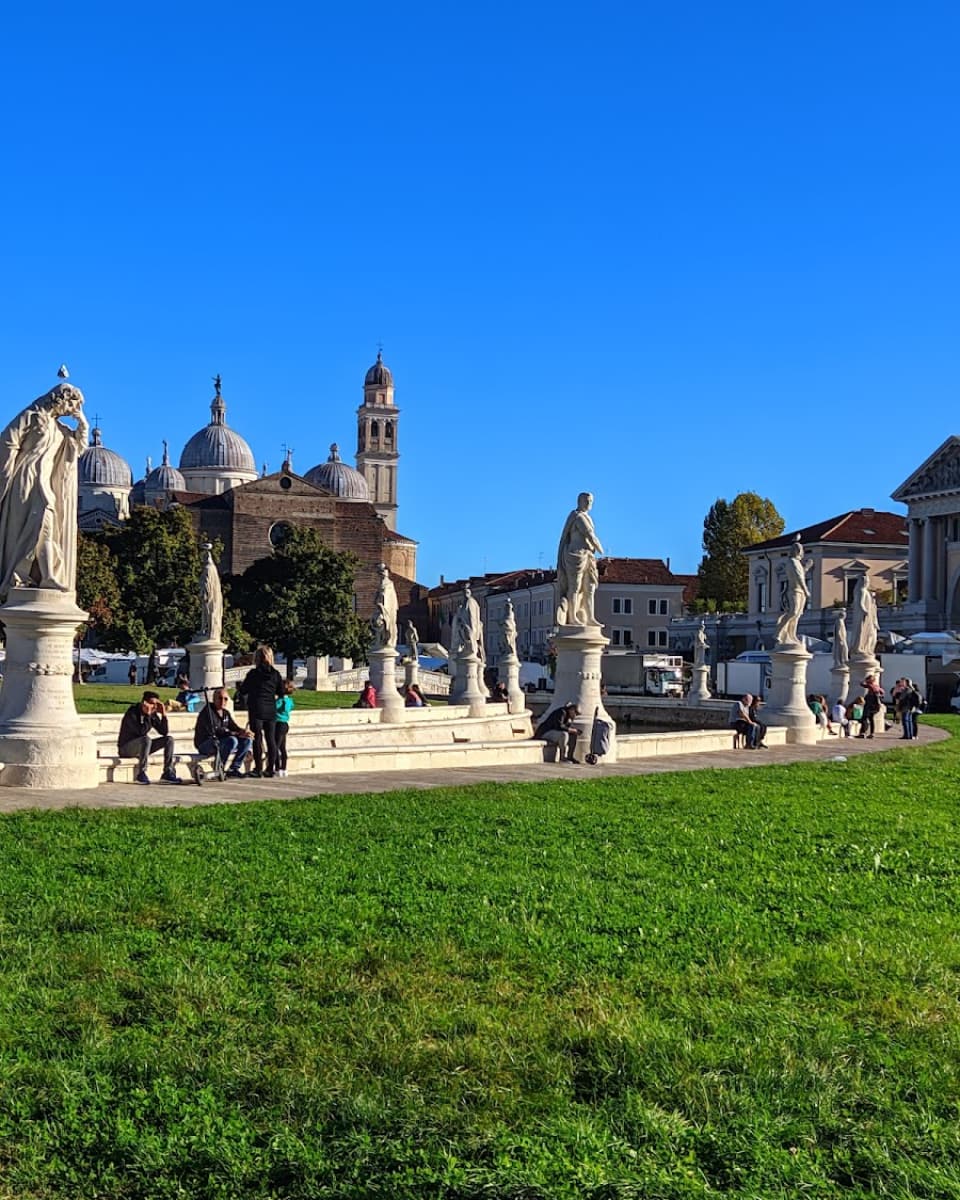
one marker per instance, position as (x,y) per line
(117,697)
(738,984)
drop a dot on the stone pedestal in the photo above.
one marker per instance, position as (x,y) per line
(42,741)
(787,700)
(466,687)
(509,669)
(383,676)
(840,685)
(699,689)
(862,665)
(317,670)
(206,664)
(411,672)
(577,681)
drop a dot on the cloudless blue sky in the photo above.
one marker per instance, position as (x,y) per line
(662,252)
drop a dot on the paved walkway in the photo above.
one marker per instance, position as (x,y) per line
(129,795)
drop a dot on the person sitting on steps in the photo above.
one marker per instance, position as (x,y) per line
(215,724)
(134,740)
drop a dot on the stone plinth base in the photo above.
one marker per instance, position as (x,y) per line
(411,672)
(787,700)
(206,665)
(509,671)
(839,685)
(383,676)
(862,665)
(467,685)
(699,690)
(42,741)
(577,681)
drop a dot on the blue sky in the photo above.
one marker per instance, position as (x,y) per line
(664,253)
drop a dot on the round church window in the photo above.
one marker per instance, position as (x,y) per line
(279,532)
(286,482)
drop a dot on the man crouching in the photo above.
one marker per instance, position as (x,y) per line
(216,726)
(135,740)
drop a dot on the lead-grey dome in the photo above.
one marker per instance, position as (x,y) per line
(379,374)
(163,479)
(101,467)
(336,477)
(217,446)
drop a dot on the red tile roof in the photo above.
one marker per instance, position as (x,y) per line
(635,570)
(862,526)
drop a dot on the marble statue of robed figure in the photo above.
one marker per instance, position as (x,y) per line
(383,625)
(577,576)
(211,598)
(38,493)
(796,595)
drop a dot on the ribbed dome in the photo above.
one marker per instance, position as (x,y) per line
(336,477)
(379,374)
(164,478)
(101,467)
(217,445)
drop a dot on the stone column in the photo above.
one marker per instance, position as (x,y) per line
(42,741)
(577,681)
(929,584)
(411,672)
(466,688)
(862,665)
(317,670)
(206,664)
(509,667)
(787,700)
(914,560)
(840,685)
(383,676)
(699,689)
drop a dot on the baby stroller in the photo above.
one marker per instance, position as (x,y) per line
(599,739)
(219,769)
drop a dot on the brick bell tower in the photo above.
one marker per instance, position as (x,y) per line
(377,455)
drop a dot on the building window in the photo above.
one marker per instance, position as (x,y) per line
(658,608)
(279,532)
(624,605)
(621,637)
(901,589)
(762,596)
(657,638)
(851,587)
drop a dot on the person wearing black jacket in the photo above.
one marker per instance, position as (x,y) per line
(215,724)
(260,690)
(559,729)
(134,740)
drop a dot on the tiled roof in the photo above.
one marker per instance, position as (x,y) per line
(635,570)
(862,526)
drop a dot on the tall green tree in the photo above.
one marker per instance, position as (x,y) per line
(98,591)
(728,528)
(300,599)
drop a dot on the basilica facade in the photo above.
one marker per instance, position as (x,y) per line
(354,509)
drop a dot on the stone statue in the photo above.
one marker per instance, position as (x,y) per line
(841,653)
(38,493)
(700,644)
(467,632)
(865,615)
(577,576)
(795,600)
(384,621)
(508,631)
(211,599)
(216,384)
(413,642)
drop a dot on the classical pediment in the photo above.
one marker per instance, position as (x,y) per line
(939,475)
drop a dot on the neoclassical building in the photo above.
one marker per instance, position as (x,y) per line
(355,509)
(932,497)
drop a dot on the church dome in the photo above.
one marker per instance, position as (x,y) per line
(336,477)
(217,446)
(100,467)
(163,479)
(379,374)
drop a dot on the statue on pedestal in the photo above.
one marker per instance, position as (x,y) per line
(700,644)
(384,620)
(577,576)
(211,599)
(865,618)
(467,632)
(38,493)
(841,652)
(796,597)
(413,642)
(508,631)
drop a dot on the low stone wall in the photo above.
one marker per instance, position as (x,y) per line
(635,712)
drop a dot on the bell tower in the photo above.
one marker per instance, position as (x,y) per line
(377,455)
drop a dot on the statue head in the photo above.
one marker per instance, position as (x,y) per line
(585,501)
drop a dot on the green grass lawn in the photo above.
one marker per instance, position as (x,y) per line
(117,697)
(740,983)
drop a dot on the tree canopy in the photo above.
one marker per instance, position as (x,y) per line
(300,599)
(728,527)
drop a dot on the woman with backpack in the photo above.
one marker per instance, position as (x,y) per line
(260,691)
